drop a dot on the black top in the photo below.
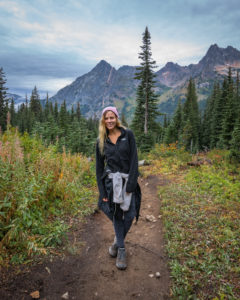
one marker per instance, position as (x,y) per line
(121,157)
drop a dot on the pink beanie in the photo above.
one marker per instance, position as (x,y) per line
(111,108)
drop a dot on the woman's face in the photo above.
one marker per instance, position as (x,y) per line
(110,120)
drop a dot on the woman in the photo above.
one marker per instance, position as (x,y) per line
(117,174)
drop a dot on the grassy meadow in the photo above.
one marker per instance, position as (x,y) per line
(40,191)
(200,208)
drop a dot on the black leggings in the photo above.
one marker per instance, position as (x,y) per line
(121,227)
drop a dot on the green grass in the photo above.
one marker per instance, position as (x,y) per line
(200,209)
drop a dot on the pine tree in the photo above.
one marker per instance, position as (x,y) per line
(78,112)
(177,122)
(35,105)
(216,116)
(13,113)
(138,119)
(212,119)
(144,121)
(79,137)
(229,117)
(237,85)
(46,109)
(55,112)
(63,118)
(50,108)
(165,121)
(169,135)
(29,116)
(72,114)
(207,122)
(92,126)
(22,122)
(237,95)
(235,142)
(174,130)
(191,119)
(47,130)
(3,101)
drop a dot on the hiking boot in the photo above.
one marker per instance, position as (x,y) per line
(121,262)
(113,249)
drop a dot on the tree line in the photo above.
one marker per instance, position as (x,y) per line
(219,124)
(217,127)
(69,130)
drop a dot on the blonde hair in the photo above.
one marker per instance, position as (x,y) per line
(102,131)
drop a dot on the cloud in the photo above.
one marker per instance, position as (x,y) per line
(13,8)
(114,44)
(60,65)
(118,44)
(44,84)
(64,39)
(179,52)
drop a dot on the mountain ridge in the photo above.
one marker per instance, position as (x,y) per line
(104,85)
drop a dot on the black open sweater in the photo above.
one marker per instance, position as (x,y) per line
(120,157)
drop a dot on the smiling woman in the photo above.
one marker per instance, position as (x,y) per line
(117,175)
(110,118)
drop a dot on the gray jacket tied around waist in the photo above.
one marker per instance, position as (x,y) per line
(120,195)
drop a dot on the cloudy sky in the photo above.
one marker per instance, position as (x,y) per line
(48,43)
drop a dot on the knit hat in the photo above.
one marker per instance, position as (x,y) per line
(111,108)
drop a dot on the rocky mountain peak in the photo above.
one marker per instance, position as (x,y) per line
(220,56)
(232,53)
(213,48)
(172,74)
(102,65)
(213,56)
(125,67)
(170,66)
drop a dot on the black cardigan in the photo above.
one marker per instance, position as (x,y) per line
(121,157)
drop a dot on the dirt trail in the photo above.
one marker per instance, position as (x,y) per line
(92,274)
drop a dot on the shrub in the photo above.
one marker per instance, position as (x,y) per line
(38,188)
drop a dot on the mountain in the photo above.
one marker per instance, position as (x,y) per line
(218,59)
(173,75)
(214,63)
(213,66)
(104,85)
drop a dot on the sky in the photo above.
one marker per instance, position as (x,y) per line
(49,43)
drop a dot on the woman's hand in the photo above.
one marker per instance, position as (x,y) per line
(105,199)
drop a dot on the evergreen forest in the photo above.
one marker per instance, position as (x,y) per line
(218,126)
